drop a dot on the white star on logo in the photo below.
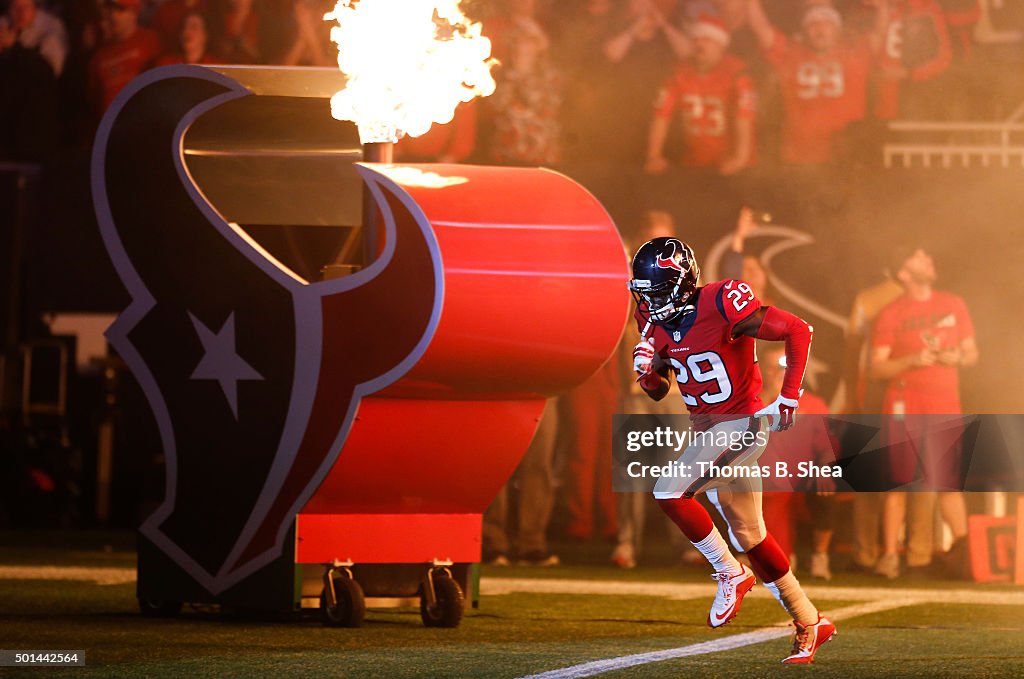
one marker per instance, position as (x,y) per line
(220,361)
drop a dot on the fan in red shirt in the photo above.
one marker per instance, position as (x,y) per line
(705,336)
(920,341)
(129,51)
(823,77)
(916,48)
(715,96)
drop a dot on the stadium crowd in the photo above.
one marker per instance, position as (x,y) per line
(593,82)
(663,108)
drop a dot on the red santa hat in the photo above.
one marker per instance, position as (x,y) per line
(711,27)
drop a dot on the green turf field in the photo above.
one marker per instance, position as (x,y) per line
(935,629)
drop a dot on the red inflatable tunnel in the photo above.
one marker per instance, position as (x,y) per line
(532,301)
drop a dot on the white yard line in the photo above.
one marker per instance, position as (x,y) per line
(594,667)
(589,669)
(99,575)
(875,600)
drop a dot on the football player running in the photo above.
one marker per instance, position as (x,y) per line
(705,336)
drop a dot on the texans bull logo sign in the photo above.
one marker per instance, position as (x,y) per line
(253,374)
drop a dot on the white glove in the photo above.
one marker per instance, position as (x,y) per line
(782,412)
(643,356)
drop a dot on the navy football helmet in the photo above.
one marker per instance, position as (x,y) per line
(665,274)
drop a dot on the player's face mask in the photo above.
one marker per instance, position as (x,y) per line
(662,303)
(664,278)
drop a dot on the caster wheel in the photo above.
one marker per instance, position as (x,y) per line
(350,607)
(155,608)
(447,611)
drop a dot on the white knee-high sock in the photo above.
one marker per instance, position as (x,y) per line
(791,595)
(716,551)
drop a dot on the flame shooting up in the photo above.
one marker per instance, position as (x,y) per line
(409,63)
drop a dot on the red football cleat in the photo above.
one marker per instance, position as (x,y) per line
(809,638)
(731,590)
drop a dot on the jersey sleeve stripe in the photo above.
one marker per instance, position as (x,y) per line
(720,304)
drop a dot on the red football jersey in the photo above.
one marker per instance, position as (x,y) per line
(716,375)
(710,104)
(917,15)
(822,93)
(908,326)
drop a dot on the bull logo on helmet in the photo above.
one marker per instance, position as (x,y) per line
(670,262)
